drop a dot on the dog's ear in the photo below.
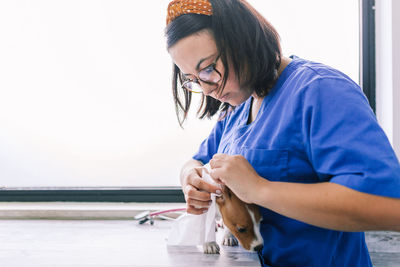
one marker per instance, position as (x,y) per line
(226,191)
(226,194)
(220,199)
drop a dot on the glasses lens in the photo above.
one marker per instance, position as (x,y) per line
(193,86)
(209,75)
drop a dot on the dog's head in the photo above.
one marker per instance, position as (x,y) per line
(242,219)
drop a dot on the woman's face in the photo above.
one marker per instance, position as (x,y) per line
(198,51)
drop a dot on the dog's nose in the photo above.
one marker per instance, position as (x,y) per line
(258,248)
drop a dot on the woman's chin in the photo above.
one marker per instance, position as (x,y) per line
(235,101)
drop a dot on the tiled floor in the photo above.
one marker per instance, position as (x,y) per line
(101,243)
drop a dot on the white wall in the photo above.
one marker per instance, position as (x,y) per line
(396,76)
(85,97)
(387,68)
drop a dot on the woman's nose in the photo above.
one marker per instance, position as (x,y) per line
(209,90)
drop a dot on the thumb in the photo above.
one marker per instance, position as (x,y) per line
(213,174)
(217,188)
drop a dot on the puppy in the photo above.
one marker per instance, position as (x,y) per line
(241,223)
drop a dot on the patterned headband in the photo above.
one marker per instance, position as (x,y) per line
(177,8)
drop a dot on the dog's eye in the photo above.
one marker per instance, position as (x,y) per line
(241,229)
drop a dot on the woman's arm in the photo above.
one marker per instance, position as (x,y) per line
(330,205)
(326,205)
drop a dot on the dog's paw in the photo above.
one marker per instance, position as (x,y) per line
(229,240)
(211,248)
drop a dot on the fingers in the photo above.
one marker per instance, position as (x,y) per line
(223,166)
(193,210)
(197,202)
(220,156)
(215,174)
(202,185)
(224,160)
(217,161)
(198,192)
(192,192)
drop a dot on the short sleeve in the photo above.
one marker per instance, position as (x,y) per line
(209,146)
(344,141)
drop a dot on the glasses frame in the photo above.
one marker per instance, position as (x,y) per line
(197,78)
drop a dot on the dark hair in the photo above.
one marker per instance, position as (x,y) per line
(243,36)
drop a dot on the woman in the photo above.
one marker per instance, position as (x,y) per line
(295,137)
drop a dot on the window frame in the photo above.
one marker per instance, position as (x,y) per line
(367,50)
(173,194)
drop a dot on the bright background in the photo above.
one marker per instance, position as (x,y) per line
(85,86)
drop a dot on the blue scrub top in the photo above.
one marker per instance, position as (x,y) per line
(314,126)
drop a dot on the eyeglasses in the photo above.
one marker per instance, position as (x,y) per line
(209,75)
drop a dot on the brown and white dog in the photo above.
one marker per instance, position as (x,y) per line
(241,223)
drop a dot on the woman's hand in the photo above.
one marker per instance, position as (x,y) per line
(237,173)
(197,191)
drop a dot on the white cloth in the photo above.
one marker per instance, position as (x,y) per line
(193,230)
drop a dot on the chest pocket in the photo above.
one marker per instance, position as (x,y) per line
(270,164)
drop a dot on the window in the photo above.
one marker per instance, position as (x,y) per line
(322,31)
(85,87)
